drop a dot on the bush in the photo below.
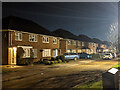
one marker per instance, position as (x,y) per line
(39,61)
(52,62)
(61,57)
(52,59)
(24,61)
(95,56)
(59,61)
(56,61)
(47,62)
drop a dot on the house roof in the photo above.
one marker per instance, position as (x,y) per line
(20,24)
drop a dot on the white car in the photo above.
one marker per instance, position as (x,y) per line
(107,56)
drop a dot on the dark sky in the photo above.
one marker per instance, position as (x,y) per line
(89,18)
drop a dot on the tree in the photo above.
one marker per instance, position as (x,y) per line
(113,36)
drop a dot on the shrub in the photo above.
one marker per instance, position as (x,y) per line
(24,61)
(59,61)
(56,61)
(52,62)
(52,59)
(95,56)
(47,62)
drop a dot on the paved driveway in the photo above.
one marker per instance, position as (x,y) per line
(56,76)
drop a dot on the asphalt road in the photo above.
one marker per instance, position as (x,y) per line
(67,75)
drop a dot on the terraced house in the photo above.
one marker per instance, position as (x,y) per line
(93,47)
(15,35)
(37,42)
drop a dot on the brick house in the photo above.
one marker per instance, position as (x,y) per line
(43,46)
(73,46)
(67,46)
(93,47)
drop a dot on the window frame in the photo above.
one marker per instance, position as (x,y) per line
(54,39)
(34,37)
(69,42)
(45,39)
(17,34)
(45,52)
(26,54)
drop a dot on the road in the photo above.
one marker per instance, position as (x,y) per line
(66,75)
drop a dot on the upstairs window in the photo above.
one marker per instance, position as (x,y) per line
(69,42)
(74,42)
(18,36)
(54,40)
(82,43)
(78,43)
(45,39)
(33,38)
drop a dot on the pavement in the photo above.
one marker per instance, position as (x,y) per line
(66,75)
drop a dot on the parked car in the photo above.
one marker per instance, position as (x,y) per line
(74,56)
(107,56)
(85,55)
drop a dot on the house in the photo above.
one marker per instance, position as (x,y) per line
(38,40)
(68,46)
(85,47)
(93,47)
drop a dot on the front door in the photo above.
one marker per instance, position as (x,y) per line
(55,52)
(12,55)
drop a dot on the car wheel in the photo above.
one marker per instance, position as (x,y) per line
(75,58)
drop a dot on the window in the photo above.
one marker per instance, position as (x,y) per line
(69,42)
(45,39)
(73,50)
(82,43)
(55,52)
(46,52)
(78,43)
(74,42)
(33,38)
(27,52)
(18,36)
(35,53)
(54,40)
(68,51)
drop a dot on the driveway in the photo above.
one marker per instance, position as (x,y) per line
(66,75)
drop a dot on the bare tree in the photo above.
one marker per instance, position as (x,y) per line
(113,36)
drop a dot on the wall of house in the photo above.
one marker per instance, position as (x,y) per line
(39,45)
(5,47)
(63,46)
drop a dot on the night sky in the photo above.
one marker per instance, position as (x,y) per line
(89,18)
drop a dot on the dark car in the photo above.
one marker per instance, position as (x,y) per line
(85,55)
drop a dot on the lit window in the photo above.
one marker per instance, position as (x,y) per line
(33,38)
(18,36)
(82,43)
(74,42)
(69,42)
(45,39)
(78,43)
(46,52)
(26,53)
(35,53)
(54,40)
